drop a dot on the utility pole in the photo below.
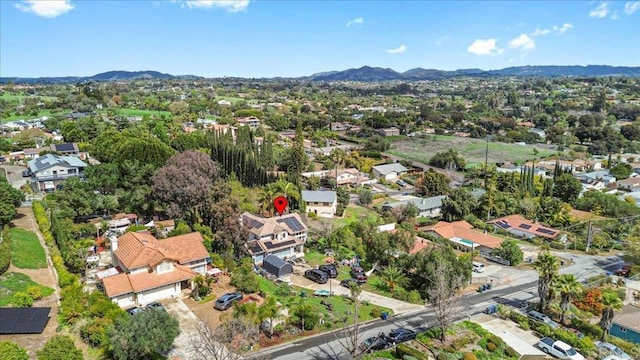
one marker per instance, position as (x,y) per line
(589,236)
(486,163)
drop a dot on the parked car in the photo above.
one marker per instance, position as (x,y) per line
(227,300)
(608,349)
(330,269)
(400,335)
(348,283)
(317,276)
(374,343)
(155,306)
(559,349)
(356,270)
(134,311)
(542,318)
(401,183)
(625,270)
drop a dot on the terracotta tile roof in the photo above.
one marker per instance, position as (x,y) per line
(420,244)
(140,249)
(144,280)
(184,248)
(165,223)
(521,224)
(117,285)
(463,230)
(584,215)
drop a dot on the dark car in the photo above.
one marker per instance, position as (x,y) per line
(155,306)
(330,269)
(374,343)
(348,283)
(317,276)
(227,300)
(356,270)
(625,270)
(134,311)
(400,335)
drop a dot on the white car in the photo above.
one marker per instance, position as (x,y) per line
(613,352)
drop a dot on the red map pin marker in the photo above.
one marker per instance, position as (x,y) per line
(280,203)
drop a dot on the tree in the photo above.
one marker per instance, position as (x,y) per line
(60,347)
(305,315)
(566,187)
(350,340)
(448,160)
(432,183)
(244,278)
(610,303)
(12,351)
(270,310)
(457,205)
(184,183)
(393,277)
(143,336)
(509,250)
(224,341)
(10,199)
(442,292)
(547,266)
(365,197)
(568,286)
(621,171)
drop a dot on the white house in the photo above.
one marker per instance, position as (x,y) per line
(389,171)
(283,236)
(152,269)
(321,203)
(49,170)
(427,207)
(250,121)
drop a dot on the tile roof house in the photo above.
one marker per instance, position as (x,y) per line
(350,176)
(321,203)
(153,269)
(464,236)
(519,226)
(389,171)
(250,121)
(283,236)
(626,324)
(49,170)
(428,207)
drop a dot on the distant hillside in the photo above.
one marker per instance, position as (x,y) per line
(106,76)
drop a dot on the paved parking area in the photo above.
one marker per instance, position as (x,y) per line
(188,328)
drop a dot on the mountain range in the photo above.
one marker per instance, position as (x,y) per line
(370,74)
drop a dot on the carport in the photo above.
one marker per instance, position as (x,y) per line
(276,266)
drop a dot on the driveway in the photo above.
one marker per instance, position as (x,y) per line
(188,328)
(14,175)
(397,306)
(520,340)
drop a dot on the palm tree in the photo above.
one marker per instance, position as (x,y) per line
(287,189)
(610,302)
(266,197)
(270,309)
(392,277)
(547,266)
(568,286)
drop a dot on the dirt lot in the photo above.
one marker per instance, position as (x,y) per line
(205,311)
(46,277)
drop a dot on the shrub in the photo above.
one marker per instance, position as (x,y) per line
(510,352)
(35,292)
(491,347)
(283,290)
(12,351)
(434,332)
(409,357)
(469,356)
(496,340)
(414,297)
(375,312)
(404,349)
(5,255)
(524,325)
(22,299)
(461,342)
(516,317)
(96,332)
(442,356)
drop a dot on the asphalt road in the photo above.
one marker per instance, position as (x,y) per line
(326,346)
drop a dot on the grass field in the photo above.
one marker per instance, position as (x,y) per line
(355,213)
(230,99)
(12,97)
(11,283)
(26,251)
(25,117)
(472,150)
(134,112)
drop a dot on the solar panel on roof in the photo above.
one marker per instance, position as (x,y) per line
(65,147)
(546,231)
(253,223)
(23,320)
(292,223)
(503,224)
(525,226)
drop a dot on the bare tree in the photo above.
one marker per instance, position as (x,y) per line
(442,291)
(350,339)
(224,342)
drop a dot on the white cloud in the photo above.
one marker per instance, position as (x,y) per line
(399,50)
(539,32)
(356,21)
(48,9)
(614,15)
(523,42)
(484,47)
(563,29)
(631,7)
(441,40)
(601,11)
(228,5)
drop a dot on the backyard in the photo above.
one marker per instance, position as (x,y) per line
(26,251)
(13,282)
(355,213)
(472,150)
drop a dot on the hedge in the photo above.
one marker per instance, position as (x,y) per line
(5,255)
(404,349)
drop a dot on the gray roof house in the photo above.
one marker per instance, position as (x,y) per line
(320,203)
(49,170)
(389,171)
(428,207)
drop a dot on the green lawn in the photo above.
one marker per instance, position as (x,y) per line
(472,150)
(26,251)
(135,112)
(230,99)
(11,283)
(27,117)
(10,97)
(355,213)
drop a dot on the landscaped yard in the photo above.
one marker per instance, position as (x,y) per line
(26,251)
(472,150)
(12,282)
(135,112)
(355,213)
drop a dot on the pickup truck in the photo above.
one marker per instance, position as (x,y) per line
(559,349)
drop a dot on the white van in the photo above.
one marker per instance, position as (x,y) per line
(478,267)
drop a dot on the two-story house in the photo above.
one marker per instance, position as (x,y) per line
(152,269)
(49,170)
(283,236)
(321,203)
(250,121)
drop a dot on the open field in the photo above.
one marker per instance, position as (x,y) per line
(355,213)
(12,97)
(26,251)
(472,150)
(41,113)
(134,112)
(12,282)
(230,99)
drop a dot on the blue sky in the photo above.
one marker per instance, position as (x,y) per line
(295,38)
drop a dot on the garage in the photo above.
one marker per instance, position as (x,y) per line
(282,253)
(157,294)
(276,266)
